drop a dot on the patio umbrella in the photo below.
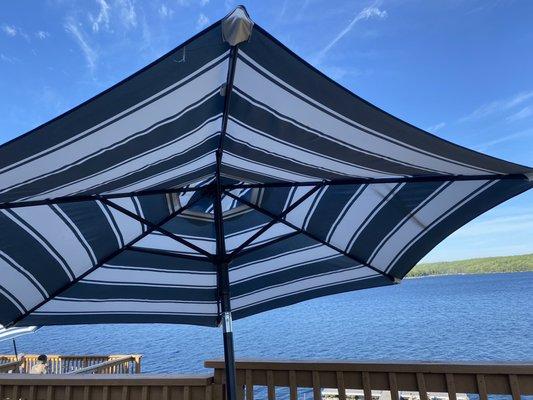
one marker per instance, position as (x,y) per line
(13,333)
(227,178)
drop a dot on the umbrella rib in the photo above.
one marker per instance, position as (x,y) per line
(93,197)
(312,236)
(348,181)
(157,227)
(102,262)
(272,222)
(355,181)
(168,254)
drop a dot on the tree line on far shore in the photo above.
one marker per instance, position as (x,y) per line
(521,263)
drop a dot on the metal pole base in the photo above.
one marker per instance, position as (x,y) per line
(229,357)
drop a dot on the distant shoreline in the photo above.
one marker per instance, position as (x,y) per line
(488,265)
(466,273)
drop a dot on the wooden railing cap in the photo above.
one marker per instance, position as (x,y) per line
(380,366)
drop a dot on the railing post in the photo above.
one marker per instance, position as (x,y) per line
(138,364)
(218,383)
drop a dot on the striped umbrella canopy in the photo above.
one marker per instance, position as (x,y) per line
(227,178)
(13,333)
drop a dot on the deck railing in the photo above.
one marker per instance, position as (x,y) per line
(105,387)
(8,367)
(62,364)
(121,365)
(288,379)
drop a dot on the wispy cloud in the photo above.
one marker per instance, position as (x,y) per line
(302,10)
(102,18)
(499,225)
(8,59)
(202,21)
(9,30)
(127,12)
(523,113)
(12,31)
(91,56)
(501,231)
(497,106)
(185,3)
(283,9)
(505,138)
(42,35)
(436,127)
(146,42)
(164,11)
(366,13)
(229,4)
(339,73)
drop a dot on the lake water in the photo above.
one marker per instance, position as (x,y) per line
(469,317)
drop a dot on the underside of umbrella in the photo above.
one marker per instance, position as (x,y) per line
(13,333)
(228,173)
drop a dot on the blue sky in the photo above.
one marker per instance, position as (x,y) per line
(460,69)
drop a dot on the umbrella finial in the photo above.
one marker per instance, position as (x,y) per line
(237,26)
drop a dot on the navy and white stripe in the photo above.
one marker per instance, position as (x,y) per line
(94,243)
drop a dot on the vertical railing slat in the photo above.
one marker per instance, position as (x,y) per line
(31,394)
(125,394)
(340,385)
(209,392)
(144,393)
(317,393)
(50,392)
(421,381)
(393,386)
(367,388)
(68,392)
(515,387)
(86,392)
(164,392)
(15,392)
(270,385)
(249,385)
(481,387)
(450,385)
(293,388)
(186,393)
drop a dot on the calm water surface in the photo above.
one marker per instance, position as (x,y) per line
(469,317)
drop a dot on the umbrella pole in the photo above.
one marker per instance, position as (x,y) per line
(229,356)
(221,263)
(227,326)
(15,350)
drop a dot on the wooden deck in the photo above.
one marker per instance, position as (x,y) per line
(272,379)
